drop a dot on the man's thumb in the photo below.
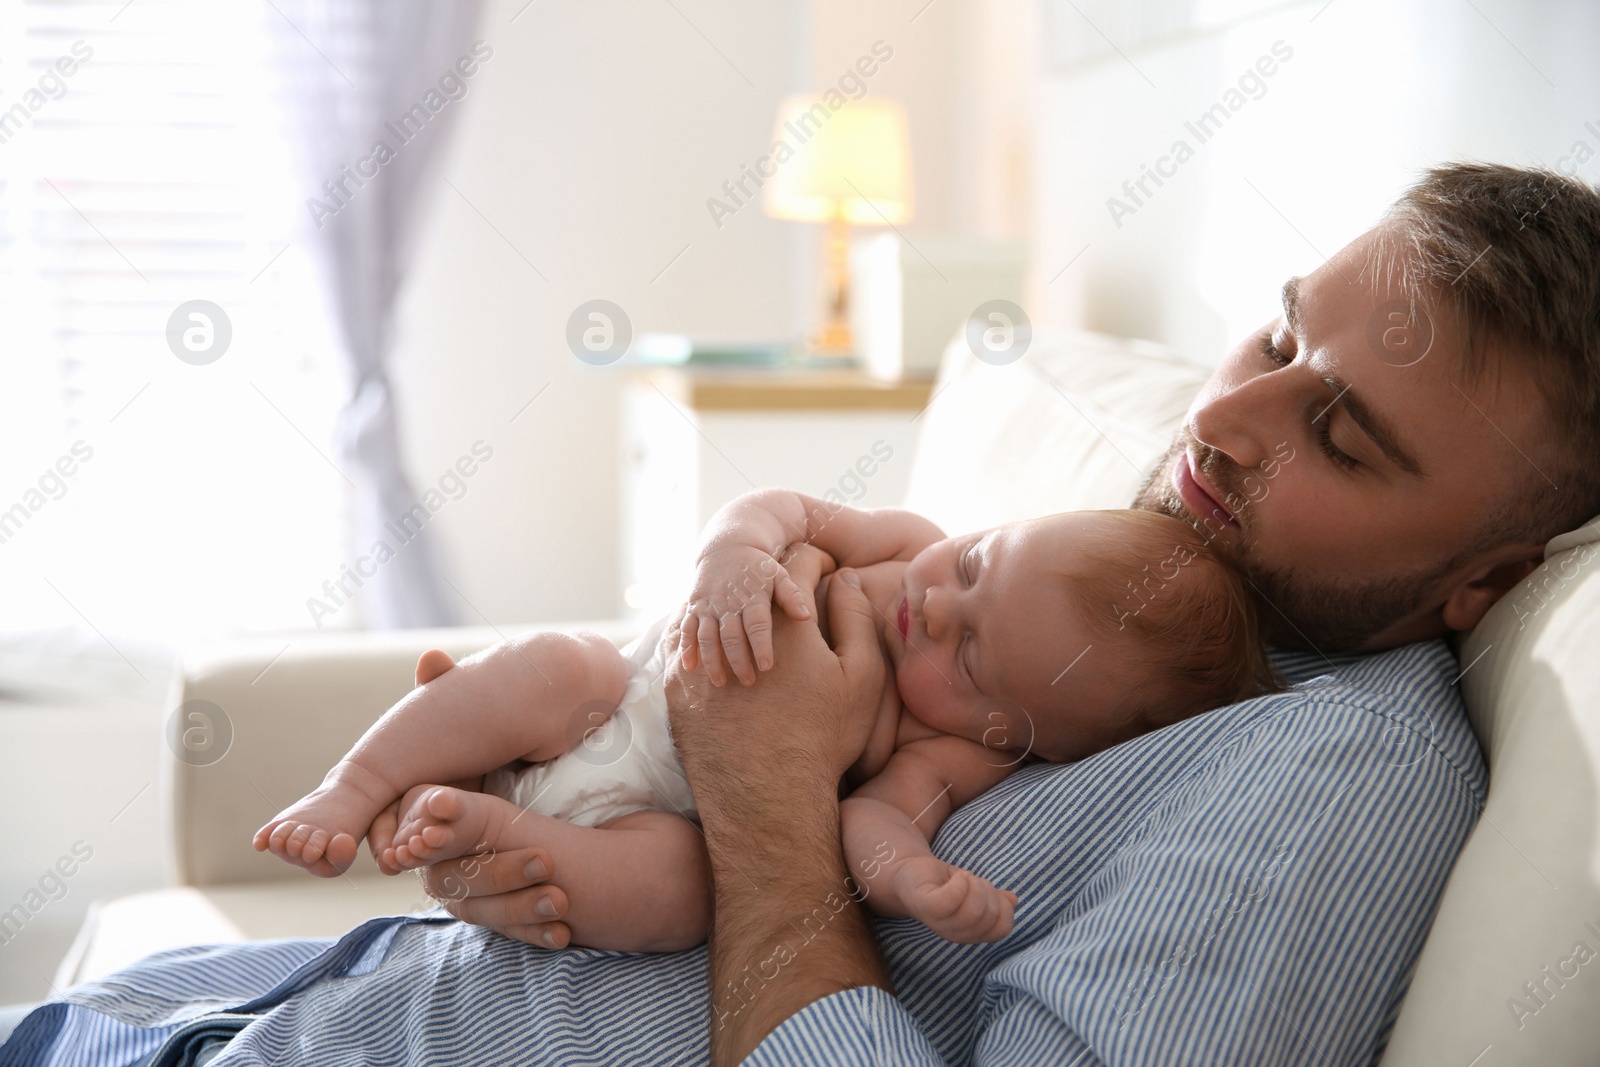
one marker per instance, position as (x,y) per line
(851,620)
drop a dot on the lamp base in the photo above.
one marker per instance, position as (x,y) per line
(832,339)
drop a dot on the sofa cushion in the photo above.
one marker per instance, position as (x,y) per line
(1513,960)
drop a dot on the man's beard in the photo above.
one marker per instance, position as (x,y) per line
(1321,614)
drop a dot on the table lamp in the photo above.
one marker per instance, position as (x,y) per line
(846,164)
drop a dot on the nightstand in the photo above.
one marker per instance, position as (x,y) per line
(695,438)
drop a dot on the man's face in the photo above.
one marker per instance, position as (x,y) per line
(1354,465)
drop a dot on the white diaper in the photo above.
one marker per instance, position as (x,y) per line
(622,765)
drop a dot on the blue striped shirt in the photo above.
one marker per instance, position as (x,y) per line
(1252,885)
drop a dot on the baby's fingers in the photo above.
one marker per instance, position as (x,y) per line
(711,650)
(758,628)
(688,635)
(736,648)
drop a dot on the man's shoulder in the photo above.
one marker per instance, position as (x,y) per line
(1409,696)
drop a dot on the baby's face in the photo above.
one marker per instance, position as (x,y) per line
(993,647)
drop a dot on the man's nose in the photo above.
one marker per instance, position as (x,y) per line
(1239,422)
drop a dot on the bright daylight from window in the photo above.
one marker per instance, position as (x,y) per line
(800,532)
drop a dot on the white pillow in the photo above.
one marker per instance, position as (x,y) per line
(1513,960)
(1077,423)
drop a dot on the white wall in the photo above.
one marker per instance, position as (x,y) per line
(593,138)
(965,71)
(1375,91)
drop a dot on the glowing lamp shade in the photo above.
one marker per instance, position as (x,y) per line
(842,165)
(852,164)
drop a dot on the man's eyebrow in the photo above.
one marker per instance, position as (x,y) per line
(1291,308)
(1372,424)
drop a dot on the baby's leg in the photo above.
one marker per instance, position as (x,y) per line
(522,698)
(639,883)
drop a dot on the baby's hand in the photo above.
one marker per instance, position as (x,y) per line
(728,620)
(954,903)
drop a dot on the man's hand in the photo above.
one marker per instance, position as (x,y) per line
(816,705)
(765,765)
(503,891)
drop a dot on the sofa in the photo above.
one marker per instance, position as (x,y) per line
(1509,974)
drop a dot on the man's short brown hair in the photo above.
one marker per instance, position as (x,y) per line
(1514,254)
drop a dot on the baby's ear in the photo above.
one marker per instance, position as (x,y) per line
(431,664)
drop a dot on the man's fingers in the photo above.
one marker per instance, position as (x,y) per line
(854,624)
(545,935)
(475,876)
(516,916)
(790,598)
(520,907)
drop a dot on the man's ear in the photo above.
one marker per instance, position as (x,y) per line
(1491,578)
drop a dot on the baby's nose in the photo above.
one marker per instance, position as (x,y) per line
(935,612)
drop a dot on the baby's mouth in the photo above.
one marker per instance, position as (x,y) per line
(902,618)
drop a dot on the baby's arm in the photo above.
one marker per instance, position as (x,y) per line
(772,519)
(740,569)
(888,823)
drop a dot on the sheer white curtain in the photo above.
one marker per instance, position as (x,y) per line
(378,85)
(157,153)
(144,163)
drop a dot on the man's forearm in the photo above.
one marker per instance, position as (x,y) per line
(788,928)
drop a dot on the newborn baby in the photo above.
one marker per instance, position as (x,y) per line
(1044,640)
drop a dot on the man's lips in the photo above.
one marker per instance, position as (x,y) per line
(902,618)
(1198,496)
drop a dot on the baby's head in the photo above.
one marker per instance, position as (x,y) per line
(1064,635)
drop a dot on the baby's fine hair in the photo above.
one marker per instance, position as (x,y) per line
(1190,615)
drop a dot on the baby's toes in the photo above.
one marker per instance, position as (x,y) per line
(443,803)
(436,837)
(316,845)
(295,845)
(263,839)
(341,851)
(278,840)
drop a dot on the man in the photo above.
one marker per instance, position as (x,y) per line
(1384,460)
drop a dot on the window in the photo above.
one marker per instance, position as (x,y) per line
(145,162)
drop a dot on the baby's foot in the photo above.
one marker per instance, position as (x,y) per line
(954,903)
(380,837)
(433,663)
(321,830)
(441,822)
